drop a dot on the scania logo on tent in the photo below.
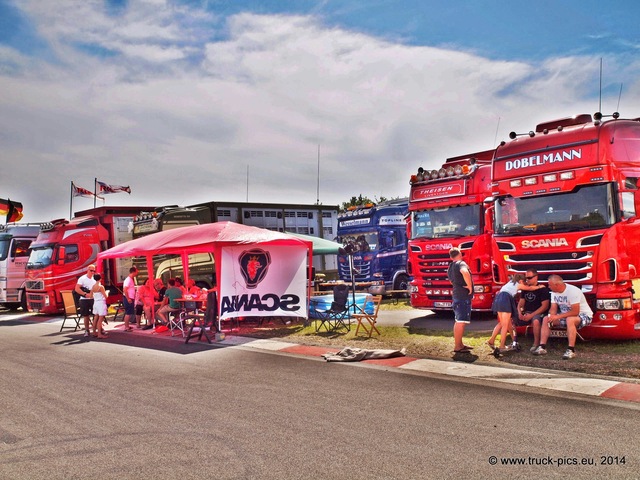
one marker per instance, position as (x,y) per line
(254,265)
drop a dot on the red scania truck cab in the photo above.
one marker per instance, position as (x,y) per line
(567,203)
(446,210)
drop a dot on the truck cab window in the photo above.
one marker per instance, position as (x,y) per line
(583,209)
(71,254)
(40,257)
(20,248)
(628,205)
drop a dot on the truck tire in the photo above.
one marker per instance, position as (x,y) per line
(23,301)
(402,283)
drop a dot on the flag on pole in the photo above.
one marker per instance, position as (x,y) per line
(106,188)
(11,210)
(83,192)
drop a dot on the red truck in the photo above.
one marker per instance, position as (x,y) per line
(65,248)
(567,202)
(446,209)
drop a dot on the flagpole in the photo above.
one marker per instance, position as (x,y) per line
(95,191)
(71,200)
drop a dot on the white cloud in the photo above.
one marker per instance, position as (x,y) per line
(184,131)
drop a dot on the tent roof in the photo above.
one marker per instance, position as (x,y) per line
(321,246)
(198,239)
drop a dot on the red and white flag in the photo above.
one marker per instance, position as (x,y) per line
(83,192)
(106,188)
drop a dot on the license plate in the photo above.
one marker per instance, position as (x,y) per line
(558,333)
(442,304)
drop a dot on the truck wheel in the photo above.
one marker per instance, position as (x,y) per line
(402,283)
(23,301)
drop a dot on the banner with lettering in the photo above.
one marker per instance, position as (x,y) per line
(263,281)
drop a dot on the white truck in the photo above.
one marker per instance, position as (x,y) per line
(15,239)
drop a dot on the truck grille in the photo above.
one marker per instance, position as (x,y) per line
(432,269)
(34,285)
(35,301)
(571,266)
(362,270)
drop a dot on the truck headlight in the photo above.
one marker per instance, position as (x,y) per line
(613,304)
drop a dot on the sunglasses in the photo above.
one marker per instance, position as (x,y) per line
(92,270)
(530,278)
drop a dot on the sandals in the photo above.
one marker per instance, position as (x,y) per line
(464,349)
(130,329)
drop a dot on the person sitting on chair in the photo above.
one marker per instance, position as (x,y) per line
(169,303)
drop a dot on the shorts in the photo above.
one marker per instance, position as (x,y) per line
(86,307)
(522,323)
(139,308)
(100,308)
(584,321)
(462,310)
(129,307)
(505,303)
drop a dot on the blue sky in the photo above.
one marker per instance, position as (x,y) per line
(179,98)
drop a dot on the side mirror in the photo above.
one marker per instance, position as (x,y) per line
(488,219)
(61,255)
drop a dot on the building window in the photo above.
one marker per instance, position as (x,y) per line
(327,215)
(224,213)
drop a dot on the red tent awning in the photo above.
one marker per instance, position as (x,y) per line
(198,239)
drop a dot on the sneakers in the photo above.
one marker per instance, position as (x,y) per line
(568,354)
(539,351)
(533,349)
(86,333)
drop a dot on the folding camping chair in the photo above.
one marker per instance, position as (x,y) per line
(205,323)
(337,316)
(71,310)
(364,318)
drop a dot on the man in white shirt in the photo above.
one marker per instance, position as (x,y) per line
(82,288)
(129,298)
(569,308)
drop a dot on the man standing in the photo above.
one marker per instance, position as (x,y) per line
(460,277)
(569,308)
(533,305)
(83,289)
(129,298)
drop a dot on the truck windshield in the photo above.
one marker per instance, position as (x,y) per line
(364,241)
(40,256)
(5,241)
(583,209)
(460,221)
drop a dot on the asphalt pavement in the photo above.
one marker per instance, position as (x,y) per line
(539,379)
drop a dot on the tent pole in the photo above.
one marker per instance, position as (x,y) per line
(150,276)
